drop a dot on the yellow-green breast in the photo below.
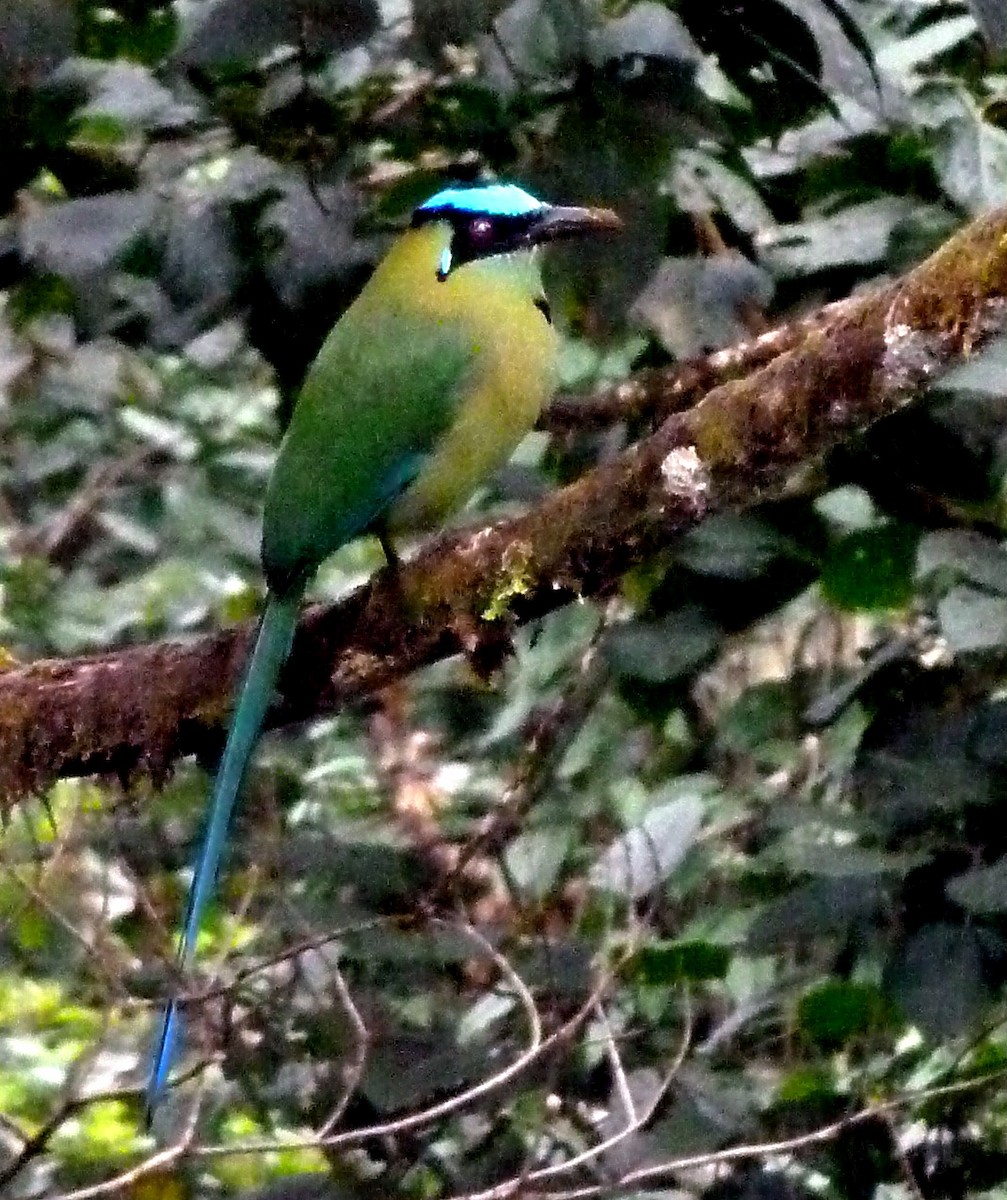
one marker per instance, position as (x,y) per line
(492,303)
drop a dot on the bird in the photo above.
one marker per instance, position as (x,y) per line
(422,389)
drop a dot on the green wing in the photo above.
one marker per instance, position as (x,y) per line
(383,390)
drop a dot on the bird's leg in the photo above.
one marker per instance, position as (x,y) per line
(392,559)
(391,576)
(486,644)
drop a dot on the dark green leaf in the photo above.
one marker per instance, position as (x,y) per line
(825,907)
(80,237)
(936,978)
(872,568)
(661,651)
(835,1013)
(694,305)
(664,964)
(760,715)
(733,546)
(243,31)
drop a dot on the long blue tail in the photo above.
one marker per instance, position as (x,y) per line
(272,646)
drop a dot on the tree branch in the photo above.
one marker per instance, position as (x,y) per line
(810,385)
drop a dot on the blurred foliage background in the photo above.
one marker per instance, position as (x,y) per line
(760,853)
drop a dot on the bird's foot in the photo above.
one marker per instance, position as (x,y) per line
(486,644)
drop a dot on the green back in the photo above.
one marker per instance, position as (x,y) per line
(351,449)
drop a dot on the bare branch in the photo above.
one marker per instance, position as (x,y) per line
(119,1184)
(353,1071)
(655,393)
(662,1173)
(634,1120)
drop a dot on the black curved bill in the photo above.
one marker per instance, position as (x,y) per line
(558,221)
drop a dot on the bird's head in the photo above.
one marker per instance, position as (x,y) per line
(502,220)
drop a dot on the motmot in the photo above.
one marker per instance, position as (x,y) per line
(422,389)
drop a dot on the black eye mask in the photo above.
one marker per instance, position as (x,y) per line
(476,235)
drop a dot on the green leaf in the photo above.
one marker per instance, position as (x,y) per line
(936,978)
(240,32)
(127,94)
(981,372)
(905,788)
(636,863)
(536,39)
(972,620)
(872,568)
(807,1086)
(663,964)
(963,554)
(982,891)
(855,36)
(858,235)
(646,30)
(41,293)
(702,183)
(760,715)
(160,433)
(696,304)
(822,908)
(848,509)
(836,861)
(80,236)
(971,159)
(662,651)
(733,546)
(836,1012)
(142,33)
(935,39)
(534,859)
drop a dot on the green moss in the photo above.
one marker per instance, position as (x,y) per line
(514,580)
(716,430)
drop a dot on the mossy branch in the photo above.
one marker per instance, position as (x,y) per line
(764,409)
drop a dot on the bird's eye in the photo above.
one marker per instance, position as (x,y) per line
(481,231)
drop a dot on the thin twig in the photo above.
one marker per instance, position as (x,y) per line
(35,1143)
(618,1070)
(553,733)
(659,1173)
(156,1162)
(94,947)
(222,987)
(55,536)
(634,1124)
(460,1101)
(353,1072)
